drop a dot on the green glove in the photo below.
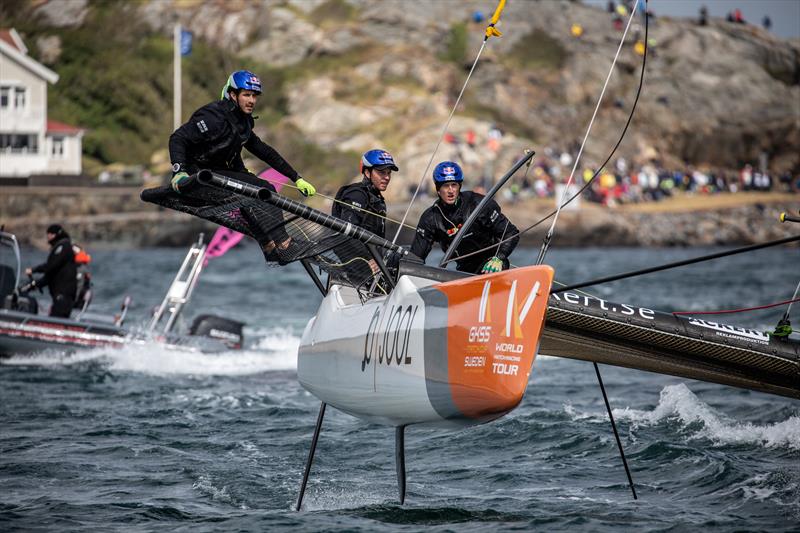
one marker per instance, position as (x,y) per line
(782,330)
(495,264)
(177,179)
(305,187)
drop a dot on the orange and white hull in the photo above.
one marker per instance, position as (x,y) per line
(452,354)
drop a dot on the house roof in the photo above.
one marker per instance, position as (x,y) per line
(12,37)
(10,43)
(53,126)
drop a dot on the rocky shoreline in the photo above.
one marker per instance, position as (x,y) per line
(117,218)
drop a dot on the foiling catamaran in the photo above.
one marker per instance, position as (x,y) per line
(24,331)
(417,344)
(399,343)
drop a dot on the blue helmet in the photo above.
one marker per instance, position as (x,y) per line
(378,159)
(241,79)
(447,171)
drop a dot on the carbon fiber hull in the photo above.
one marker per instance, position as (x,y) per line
(590,329)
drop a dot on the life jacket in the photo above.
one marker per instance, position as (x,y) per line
(81,256)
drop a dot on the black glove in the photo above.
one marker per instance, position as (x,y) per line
(28,287)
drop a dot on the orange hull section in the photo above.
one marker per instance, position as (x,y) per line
(494,326)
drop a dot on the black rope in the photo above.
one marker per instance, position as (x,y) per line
(677,264)
(614,426)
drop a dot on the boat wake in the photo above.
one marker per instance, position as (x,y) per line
(700,421)
(274,349)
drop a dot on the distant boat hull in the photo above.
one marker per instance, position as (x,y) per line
(26,333)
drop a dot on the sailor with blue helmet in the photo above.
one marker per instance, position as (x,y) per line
(491,233)
(215,134)
(362,203)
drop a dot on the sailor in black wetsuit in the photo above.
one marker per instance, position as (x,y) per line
(213,139)
(214,136)
(441,222)
(362,203)
(59,272)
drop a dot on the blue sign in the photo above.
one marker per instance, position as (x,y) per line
(186,42)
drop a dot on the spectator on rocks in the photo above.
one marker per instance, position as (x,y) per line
(702,20)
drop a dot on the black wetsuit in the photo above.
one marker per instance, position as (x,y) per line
(213,139)
(59,275)
(366,200)
(440,223)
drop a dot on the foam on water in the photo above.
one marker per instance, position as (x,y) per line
(677,402)
(275,350)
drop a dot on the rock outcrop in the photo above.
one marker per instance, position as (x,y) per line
(719,95)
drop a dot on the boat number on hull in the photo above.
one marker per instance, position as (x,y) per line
(388,336)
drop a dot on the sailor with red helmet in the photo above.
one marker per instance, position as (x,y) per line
(491,233)
(215,134)
(362,203)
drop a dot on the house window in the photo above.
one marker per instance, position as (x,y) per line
(5,97)
(19,143)
(19,97)
(58,147)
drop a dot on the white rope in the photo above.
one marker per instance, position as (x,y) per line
(591,122)
(444,131)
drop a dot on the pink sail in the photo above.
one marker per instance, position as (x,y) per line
(224,239)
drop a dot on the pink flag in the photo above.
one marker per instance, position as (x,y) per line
(224,239)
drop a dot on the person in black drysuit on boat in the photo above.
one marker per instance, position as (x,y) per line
(213,139)
(59,272)
(441,222)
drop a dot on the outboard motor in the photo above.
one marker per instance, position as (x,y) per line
(222,329)
(21,303)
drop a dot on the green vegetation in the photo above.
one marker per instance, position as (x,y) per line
(324,64)
(456,46)
(333,13)
(116,82)
(537,50)
(505,118)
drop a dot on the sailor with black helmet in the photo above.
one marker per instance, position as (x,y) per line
(59,272)
(215,134)
(441,222)
(362,203)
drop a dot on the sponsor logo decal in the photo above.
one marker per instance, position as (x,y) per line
(474,361)
(732,332)
(592,302)
(515,316)
(453,231)
(388,336)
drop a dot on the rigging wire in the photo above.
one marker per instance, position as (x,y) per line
(676,264)
(351,206)
(741,310)
(491,31)
(548,237)
(602,166)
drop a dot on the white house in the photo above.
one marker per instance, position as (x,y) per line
(30,144)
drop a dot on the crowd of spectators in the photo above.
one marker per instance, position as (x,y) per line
(650,182)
